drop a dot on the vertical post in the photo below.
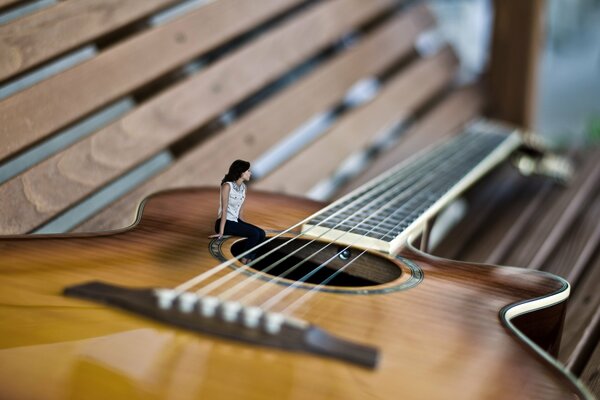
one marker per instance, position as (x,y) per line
(515,51)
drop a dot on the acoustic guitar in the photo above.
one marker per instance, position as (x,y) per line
(338,304)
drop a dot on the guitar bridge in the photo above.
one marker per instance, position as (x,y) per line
(230,320)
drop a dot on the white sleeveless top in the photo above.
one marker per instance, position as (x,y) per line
(237,194)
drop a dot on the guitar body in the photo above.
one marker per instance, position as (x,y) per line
(445,337)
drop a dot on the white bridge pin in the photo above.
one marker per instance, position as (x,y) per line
(252,316)
(165,298)
(208,306)
(187,301)
(273,322)
(230,310)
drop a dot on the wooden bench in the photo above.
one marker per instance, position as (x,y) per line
(107,102)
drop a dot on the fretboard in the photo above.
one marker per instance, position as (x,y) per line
(381,214)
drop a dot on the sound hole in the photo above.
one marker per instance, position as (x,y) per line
(298,263)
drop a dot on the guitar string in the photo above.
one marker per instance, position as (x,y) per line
(366,191)
(222,280)
(383,189)
(395,198)
(265,285)
(306,296)
(283,293)
(207,289)
(439,148)
(207,274)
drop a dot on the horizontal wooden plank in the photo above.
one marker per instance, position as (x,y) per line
(30,40)
(591,374)
(520,217)
(6,3)
(503,206)
(586,346)
(397,101)
(568,250)
(444,119)
(554,218)
(521,224)
(583,303)
(261,128)
(66,178)
(35,113)
(487,214)
(525,214)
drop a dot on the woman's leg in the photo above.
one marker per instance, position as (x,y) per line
(259,231)
(253,233)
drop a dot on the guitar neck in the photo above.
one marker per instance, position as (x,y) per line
(383,213)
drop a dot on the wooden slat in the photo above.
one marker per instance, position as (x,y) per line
(519,224)
(525,214)
(568,250)
(43,35)
(396,102)
(510,199)
(584,302)
(487,214)
(591,375)
(444,119)
(522,221)
(66,178)
(584,349)
(261,128)
(554,219)
(5,3)
(585,257)
(566,221)
(35,113)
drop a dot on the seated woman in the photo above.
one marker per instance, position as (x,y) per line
(233,194)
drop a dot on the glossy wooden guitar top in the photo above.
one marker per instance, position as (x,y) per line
(442,339)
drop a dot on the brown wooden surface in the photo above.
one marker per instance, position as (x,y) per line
(5,3)
(560,212)
(362,126)
(35,38)
(581,234)
(521,217)
(591,374)
(487,201)
(123,68)
(526,213)
(443,336)
(261,128)
(581,358)
(445,118)
(515,51)
(66,178)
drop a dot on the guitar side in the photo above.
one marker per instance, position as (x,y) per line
(443,338)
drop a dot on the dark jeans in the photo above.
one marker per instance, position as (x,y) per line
(254,234)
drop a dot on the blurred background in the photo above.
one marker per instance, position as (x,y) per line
(105,102)
(568,77)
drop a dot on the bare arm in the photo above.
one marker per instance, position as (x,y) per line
(242,212)
(225,189)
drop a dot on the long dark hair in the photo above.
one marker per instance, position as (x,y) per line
(237,168)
